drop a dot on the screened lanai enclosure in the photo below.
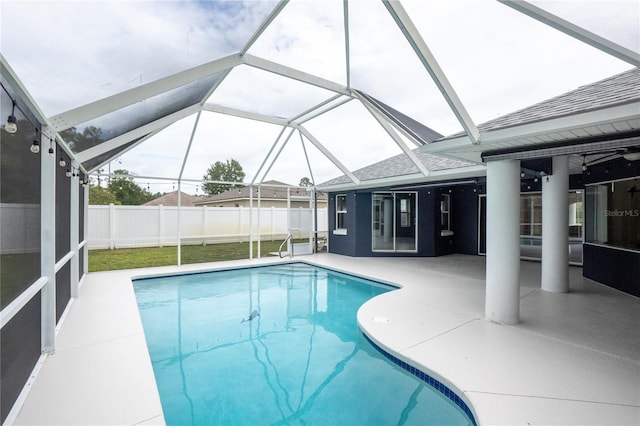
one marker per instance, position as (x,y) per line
(290,89)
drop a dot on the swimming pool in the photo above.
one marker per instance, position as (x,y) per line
(278,345)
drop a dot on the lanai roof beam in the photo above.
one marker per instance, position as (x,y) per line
(574,31)
(245,114)
(329,155)
(316,110)
(293,73)
(121,140)
(109,104)
(429,61)
(277,154)
(266,157)
(265,24)
(392,133)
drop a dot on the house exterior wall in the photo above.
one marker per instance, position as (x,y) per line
(464,222)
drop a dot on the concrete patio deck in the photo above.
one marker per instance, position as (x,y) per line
(573,359)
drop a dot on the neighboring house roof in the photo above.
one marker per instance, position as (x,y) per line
(171,199)
(272,190)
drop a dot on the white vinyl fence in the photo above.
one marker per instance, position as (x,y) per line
(156,226)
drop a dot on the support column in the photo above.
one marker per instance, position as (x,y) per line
(48,250)
(74,230)
(555,227)
(502,302)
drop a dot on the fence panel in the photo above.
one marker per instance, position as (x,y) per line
(156,226)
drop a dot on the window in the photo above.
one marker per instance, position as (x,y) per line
(613,214)
(445,215)
(341,214)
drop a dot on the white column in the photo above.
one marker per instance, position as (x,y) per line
(85,257)
(555,227)
(502,303)
(74,229)
(48,250)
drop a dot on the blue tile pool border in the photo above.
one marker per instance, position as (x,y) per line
(434,383)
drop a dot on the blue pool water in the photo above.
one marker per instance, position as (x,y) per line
(277,345)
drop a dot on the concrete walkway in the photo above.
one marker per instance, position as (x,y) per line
(573,359)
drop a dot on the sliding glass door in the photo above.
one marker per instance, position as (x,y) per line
(394,221)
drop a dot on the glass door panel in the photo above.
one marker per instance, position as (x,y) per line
(393,225)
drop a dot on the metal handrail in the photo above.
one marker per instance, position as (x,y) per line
(283,243)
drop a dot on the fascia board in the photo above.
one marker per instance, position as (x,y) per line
(627,111)
(415,178)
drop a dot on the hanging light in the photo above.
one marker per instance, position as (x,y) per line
(68,173)
(584,163)
(62,163)
(35,146)
(12,123)
(51,151)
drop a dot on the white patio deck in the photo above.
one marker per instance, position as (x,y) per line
(573,359)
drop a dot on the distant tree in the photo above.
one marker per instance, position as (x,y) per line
(305,181)
(90,136)
(101,196)
(229,171)
(126,191)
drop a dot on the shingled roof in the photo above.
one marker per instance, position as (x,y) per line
(171,199)
(272,189)
(616,90)
(401,165)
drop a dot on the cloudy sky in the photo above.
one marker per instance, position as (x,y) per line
(69,53)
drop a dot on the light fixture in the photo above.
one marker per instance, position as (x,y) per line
(68,173)
(62,163)
(584,163)
(12,123)
(632,156)
(35,146)
(51,151)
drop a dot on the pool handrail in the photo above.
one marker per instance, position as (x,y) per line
(289,236)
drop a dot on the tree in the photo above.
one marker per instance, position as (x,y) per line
(101,196)
(229,171)
(126,191)
(305,182)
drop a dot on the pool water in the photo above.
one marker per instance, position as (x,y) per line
(276,345)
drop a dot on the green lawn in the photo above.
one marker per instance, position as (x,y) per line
(109,260)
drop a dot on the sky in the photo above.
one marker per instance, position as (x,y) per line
(69,53)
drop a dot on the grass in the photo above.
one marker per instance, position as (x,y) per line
(109,260)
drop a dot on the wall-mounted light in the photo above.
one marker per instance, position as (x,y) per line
(12,123)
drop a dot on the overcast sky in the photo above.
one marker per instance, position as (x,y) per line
(498,60)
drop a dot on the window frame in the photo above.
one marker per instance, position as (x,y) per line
(340,214)
(445,230)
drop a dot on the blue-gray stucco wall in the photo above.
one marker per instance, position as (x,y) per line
(464,219)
